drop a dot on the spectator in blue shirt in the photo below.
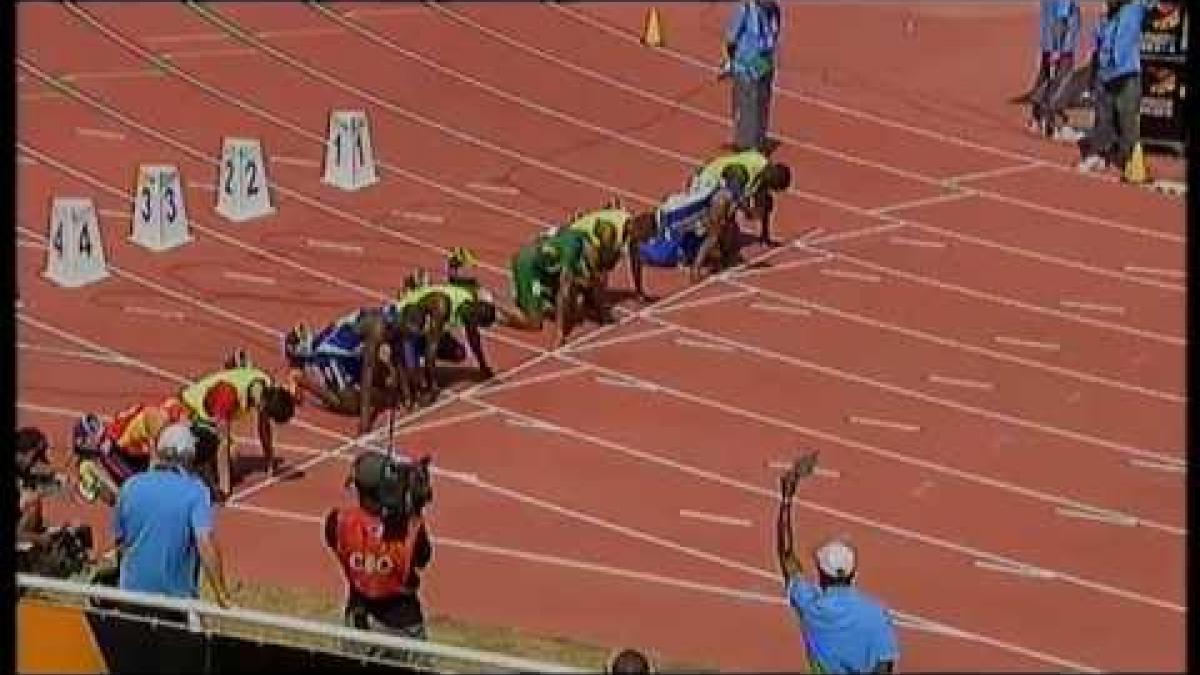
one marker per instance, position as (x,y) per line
(1060,22)
(164,524)
(1118,94)
(845,630)
(750,41)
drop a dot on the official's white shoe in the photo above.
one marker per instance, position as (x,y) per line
(1068,135)
(1092,163)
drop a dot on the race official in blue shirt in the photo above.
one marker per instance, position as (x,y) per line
(751,37)
(163,523)
(845,630)
(1118,96)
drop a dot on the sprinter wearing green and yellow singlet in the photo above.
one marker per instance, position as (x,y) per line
(757,201)
(231,395)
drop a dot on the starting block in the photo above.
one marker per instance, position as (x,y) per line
(242,192)
(159,218)
(76,254)
(349,157)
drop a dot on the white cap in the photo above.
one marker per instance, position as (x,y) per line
(177,443)
(836,559)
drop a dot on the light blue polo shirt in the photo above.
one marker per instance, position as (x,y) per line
(1119,42)
(159,515)
(754,30)
(1054,11)
(845,630)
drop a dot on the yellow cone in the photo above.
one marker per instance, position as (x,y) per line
(652,37)
(1135,168)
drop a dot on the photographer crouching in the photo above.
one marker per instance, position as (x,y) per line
(381,544)
(58,552)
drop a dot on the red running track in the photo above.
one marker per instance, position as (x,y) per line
(960,433)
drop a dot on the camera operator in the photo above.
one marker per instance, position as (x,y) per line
(381,544)
(60,552)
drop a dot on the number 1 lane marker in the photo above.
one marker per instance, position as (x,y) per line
(713,518)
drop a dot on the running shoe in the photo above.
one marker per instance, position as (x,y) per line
(1092,163)
(89,481)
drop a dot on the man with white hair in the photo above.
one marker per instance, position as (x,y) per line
(845,630)
(164,524)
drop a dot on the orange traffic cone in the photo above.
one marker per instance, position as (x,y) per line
(652,37)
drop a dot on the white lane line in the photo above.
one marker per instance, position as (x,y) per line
(961,382)
(917,203)
(497,189)
(663,308)
(390,11)
(1092,307)
(296,161)
(817,471)
(27,161)
(41,96)
(779,267)
(847,274)
(299,32)
(1019,570)
(620,339)
(1103,516)
(100,133)
(420,217)
(210,53)
(192,37)
(688,342)
(207,187)
(1170,467)
(249,278)
(73,354)
(333,246)
(112,75)
(884,424)
(917,243)
(994,173)
(519,383)
(174,315)
(1032,344)
(626,382)
(780,309)
(529,424)
(113,213)
(713,518)
(1155,271)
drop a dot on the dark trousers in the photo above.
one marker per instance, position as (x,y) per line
(1118,119)
(1048,100)
(751,111)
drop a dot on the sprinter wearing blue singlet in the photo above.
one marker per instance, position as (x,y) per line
(329,364)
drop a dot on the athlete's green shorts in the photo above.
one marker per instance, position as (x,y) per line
(536,269)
